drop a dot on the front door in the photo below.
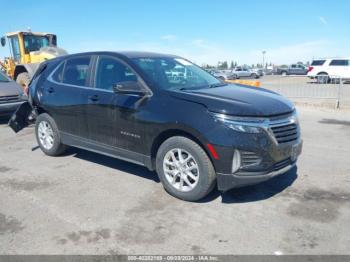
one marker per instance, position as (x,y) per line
(111,116)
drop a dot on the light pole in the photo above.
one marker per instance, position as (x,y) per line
(263,63)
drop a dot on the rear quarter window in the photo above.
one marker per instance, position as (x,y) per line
(318,62)
(58,73)
(339,62)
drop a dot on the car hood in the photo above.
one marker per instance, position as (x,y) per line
(238,100)
(10,89)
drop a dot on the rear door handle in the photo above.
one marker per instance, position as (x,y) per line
(94,98)
(51,90)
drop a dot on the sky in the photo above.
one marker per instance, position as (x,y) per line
(204,31)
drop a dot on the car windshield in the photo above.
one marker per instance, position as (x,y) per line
(176,73)
(3,78)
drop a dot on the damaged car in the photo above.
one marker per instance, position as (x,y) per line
(11,96)
(197,134)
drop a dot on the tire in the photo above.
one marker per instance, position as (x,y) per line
(322,78)
(23,80)
(255,76)
(204,173)
(55,147)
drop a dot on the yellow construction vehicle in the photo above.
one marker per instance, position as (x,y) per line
(28,50)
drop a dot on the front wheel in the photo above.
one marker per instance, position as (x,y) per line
(47,135)
(323,78)
(185,169)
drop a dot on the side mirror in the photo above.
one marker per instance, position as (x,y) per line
(129,88)
(3,41)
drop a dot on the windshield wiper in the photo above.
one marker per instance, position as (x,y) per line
(217,85)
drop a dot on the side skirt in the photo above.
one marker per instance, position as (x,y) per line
(122,154)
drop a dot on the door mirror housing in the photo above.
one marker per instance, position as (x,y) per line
(3,41)
(129,88)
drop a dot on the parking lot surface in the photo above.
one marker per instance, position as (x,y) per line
(85,203)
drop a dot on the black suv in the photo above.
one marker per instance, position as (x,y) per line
(193,129)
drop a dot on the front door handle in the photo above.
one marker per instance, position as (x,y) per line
(94,98)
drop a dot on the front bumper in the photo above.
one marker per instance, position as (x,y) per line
(244,178)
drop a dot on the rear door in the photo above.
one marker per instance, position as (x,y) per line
(339,68)
(293,69)
(62,94)
(238,71)
(300,70)
(245,72)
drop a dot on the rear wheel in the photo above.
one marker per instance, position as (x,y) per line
(255,76)
(23,80)
(47,135)
(184,169)
(323,78)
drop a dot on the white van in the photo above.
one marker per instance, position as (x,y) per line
(324,70)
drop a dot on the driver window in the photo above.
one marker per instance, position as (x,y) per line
(110,72)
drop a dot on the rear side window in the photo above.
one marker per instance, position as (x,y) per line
(318,62)
(339,62)
(75,71)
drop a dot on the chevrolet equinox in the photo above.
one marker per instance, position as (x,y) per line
(165,113)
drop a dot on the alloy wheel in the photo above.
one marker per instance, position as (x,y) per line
(45,135)
(181,169)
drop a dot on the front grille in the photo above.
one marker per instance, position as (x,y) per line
(249,158)
(287,133)
(8,99)
(281,164)
(285,130)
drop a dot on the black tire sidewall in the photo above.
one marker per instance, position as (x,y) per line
(206,170)
(57,147)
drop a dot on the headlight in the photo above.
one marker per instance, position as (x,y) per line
(241,124)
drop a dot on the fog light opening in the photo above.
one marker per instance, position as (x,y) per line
(236,161)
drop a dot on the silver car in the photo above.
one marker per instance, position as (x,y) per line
(222,75)
(242,72)
(11,95)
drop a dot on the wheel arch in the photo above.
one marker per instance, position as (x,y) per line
(164,135)
(39,110)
